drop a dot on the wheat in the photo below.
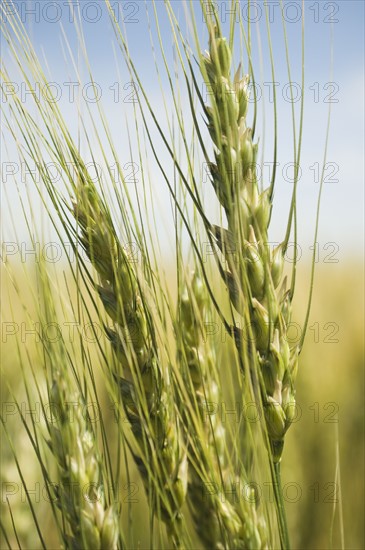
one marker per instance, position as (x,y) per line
(143,385)
(79,490)
(255,272)
(81,479)
(220,522)
(178,453)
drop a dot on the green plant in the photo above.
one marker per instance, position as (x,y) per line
(230,522)
(142,380)
(255,272)
(163,374)
(72,443)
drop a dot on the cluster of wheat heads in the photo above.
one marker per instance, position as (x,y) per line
(161,370)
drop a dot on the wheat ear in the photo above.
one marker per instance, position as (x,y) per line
(220,523)
(254,277)
(93,525)
(150,408)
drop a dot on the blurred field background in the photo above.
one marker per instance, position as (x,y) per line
(330,396)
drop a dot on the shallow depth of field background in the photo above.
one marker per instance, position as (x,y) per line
(330,410)
(330,385)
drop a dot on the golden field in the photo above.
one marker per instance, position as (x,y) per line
(323,464)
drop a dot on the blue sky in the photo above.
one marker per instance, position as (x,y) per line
(43,20)
(342,211)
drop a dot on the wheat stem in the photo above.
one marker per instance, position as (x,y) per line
(284,532)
